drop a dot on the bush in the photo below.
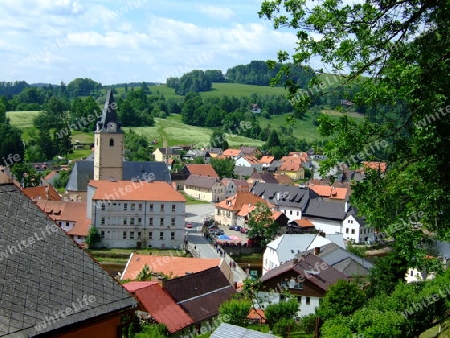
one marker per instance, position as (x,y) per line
(284,327)
(308,323)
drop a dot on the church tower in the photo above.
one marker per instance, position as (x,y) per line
(108,143)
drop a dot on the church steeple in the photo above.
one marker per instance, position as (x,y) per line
(108,141)
(109,120)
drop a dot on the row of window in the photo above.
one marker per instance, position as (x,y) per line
(139,206)
(361,231)
(138,221)
(138,235)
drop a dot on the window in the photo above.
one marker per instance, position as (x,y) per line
(218,212)
(173,207)
(139,235)
(161,221)
(162,207)
(172,235)
(411,273)
(139,221)
(353,231)
(125,206)
(151,207)
(103,234)
(299,298)
(150,235)
(290,212)
(124,236)
(293,284)
(172,221)
(132,206)
(161,235)
(103,220)
(140,207)
(150,221)
(111,142)
(131,234)
(132,221)
(124,221)
(346,230)
(308,300)
(103,206)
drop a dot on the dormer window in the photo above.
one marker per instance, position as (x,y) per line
(111,142)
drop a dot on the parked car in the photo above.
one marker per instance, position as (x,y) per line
(237,228)
(189,225)
(231,227)
(220,232)
(244,231)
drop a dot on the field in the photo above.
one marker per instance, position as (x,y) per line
(22,119)
(176,132)
(219,89)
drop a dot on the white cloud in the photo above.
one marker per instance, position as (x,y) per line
(223,13)
(109,39)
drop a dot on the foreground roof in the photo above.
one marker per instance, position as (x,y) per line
(237,201)
(162,307)
(168,265)
(284,195)
(202,170)
(49,274)
(201,181)
(42,192)
(226,331)
(202,293)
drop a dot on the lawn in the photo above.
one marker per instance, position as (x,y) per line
(190,200)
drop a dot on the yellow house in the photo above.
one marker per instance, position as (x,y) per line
(292,166)
(162,154)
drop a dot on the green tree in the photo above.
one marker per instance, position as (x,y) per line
(276,312)
(223,167)
(284,327)
(144,274)
(136,147)
(342,298)
(93,237)
(237,310)
(26,175)
(401,47)
(262,225)
(11,145)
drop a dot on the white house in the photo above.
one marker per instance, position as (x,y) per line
(249,162)
(137,214)
(306,278)
(286,247)
(354,229)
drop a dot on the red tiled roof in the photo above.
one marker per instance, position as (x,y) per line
(168,265)
(134,286)
(257,314)
(291,163)
(329,191)
(283,179)
(136,191)
(381,166)
(231,152)
(81,228)
(304,222)
(267,159)
(51,175)
(39,193)
(202,170)
(251,159)
(240,199)
(64,211)
(162,307)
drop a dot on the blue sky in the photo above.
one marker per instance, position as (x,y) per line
(131,41)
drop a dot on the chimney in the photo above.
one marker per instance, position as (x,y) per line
(46,192)
(316,251)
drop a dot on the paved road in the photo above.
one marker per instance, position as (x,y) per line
(202,248)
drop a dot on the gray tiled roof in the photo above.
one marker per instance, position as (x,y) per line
(48,275)
(83,172)
(284,195)
(320,208)
(201,181)
(242,171)
(344,261)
